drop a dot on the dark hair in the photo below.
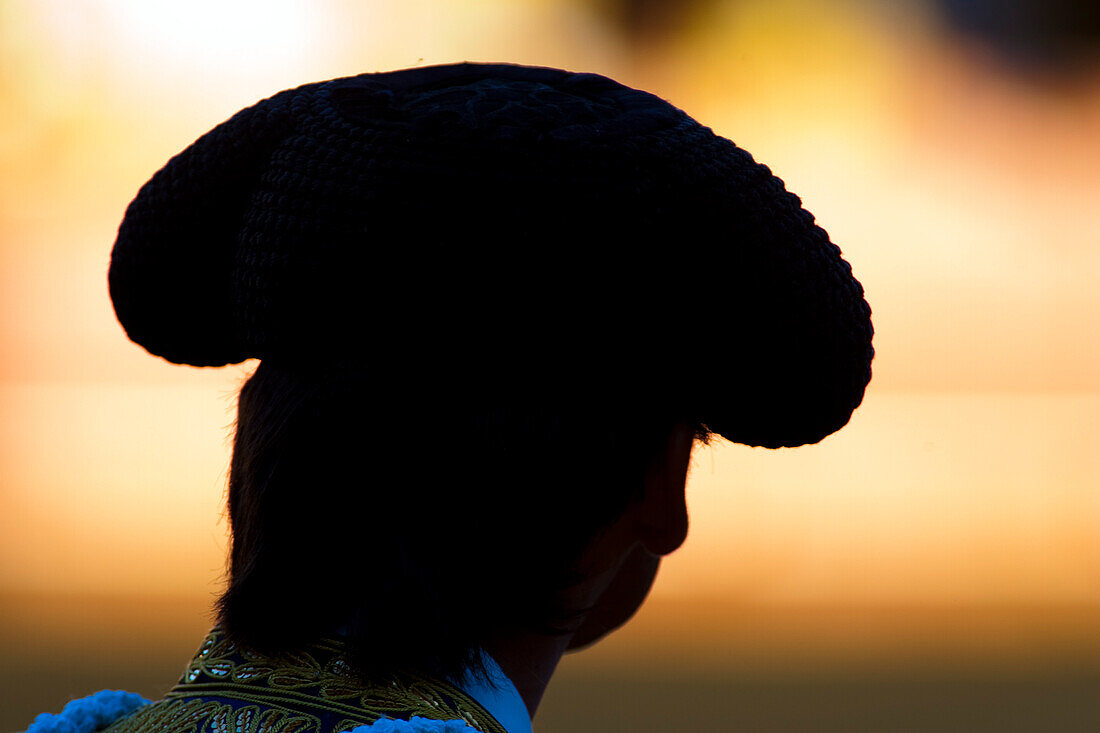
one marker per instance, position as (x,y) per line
(420,519)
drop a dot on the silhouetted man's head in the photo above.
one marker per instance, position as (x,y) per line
(494,305)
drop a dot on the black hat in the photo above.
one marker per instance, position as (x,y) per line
(501,224)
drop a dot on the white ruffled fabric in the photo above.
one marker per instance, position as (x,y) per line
(89,714)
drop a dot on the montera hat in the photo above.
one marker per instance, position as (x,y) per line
(496,226)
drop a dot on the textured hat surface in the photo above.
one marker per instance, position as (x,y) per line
(500,224)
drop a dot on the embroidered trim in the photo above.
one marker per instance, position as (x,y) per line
(230,689)
(415,725)
(190,716)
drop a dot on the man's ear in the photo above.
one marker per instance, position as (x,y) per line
(661,519)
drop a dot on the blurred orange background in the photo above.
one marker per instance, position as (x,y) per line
(952,524)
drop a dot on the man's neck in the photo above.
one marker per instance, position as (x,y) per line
(529,659)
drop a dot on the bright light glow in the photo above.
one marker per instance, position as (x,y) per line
(206,40)
(214,32)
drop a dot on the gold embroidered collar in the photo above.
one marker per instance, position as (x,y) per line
(227,687)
